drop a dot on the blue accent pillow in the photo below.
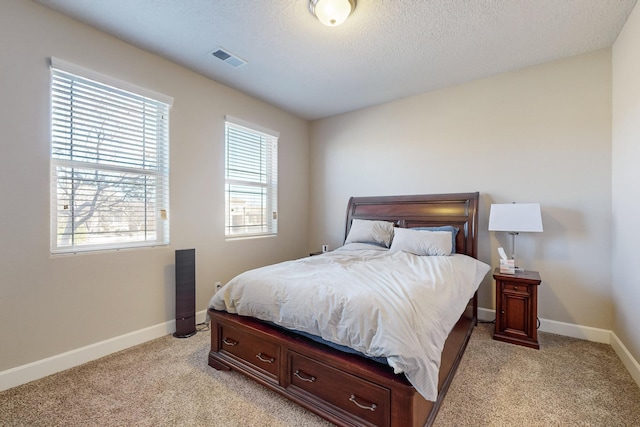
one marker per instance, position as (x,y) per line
(451,228)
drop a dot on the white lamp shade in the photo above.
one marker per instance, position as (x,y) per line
(332,12)
(515,217)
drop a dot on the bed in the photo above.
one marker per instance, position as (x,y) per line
(349,389)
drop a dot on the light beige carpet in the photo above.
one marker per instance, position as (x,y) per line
(167,382)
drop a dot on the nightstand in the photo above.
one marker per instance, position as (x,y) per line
(517,307)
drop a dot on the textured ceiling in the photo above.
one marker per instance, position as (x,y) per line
(386,50)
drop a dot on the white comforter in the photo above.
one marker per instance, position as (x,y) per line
(385,304)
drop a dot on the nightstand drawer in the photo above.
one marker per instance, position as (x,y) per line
(515,287)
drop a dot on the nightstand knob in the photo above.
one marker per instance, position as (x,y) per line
(501,311)
(515,288)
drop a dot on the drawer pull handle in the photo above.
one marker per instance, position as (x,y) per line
(309,380)
(266,360)
(230,342)
(355,402)
(515,288)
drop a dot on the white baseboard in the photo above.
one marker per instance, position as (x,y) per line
(627,359)
(583,332)
(32,371)
(576,331)
(486,315)
(560,328)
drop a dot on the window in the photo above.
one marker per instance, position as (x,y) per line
(251,180)
(109,162)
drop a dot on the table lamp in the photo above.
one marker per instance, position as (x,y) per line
(515,218)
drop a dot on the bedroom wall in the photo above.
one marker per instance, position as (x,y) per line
(541,134)
(50,305)
(626,176)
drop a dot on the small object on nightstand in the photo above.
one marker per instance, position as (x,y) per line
(517,307)
(324,249)
(507,266)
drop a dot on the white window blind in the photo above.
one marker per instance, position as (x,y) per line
(109,163)
(251,179)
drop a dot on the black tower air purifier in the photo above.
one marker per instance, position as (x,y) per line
(185,293)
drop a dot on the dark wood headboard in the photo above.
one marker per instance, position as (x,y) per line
(428,210)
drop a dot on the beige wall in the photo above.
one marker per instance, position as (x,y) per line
(542,134)
(49,305)
(626,187)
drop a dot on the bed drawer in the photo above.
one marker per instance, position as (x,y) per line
(262,355)
(367,403)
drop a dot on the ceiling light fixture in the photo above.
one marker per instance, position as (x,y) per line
(332,12)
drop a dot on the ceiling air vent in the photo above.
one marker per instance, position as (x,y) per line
(228,57)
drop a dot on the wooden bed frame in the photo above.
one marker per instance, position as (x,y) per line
(348,389)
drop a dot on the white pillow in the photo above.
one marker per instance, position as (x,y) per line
(365,231)
(361,247)
(422,242)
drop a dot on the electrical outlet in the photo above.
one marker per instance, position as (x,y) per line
(218,285)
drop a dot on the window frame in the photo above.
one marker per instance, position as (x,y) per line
(269,140)
(145,166)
